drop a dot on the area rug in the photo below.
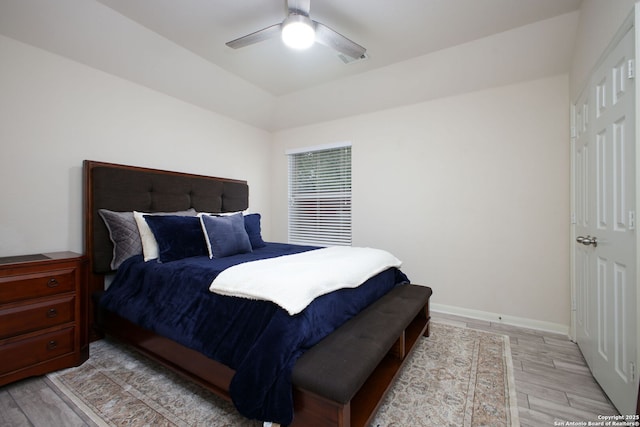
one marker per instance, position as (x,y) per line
(455,377)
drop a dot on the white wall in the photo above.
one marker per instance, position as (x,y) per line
(54,113)
(471,192)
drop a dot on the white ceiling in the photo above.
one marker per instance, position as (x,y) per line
(391,31)
(178,47)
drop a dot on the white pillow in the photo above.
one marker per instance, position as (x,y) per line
(150,248)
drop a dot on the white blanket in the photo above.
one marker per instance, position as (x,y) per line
(293,281)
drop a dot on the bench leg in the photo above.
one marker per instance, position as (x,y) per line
(427,314)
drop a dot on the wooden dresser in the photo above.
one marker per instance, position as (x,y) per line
(43,314)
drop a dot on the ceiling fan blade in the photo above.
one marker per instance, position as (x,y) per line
(300,7)
(338,42)
(258,36)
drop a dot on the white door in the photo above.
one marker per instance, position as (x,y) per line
(605,247)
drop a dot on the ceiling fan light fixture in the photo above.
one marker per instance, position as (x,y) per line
(298,32)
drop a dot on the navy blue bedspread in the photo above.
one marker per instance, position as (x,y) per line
(258,339)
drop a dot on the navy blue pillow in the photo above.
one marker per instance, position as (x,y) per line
(178,237)
(225,235)
(252,226)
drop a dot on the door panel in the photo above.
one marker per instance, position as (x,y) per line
(605,268)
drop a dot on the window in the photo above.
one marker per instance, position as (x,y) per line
(320,195)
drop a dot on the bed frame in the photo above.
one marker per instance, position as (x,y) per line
(126,188)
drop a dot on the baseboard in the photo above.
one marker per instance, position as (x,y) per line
(501,318)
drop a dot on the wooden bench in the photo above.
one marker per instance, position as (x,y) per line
(346,375)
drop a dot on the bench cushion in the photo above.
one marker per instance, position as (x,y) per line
(339,365)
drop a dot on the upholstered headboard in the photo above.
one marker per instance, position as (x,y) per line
(128,188)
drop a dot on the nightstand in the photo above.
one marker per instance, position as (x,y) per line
(43,314)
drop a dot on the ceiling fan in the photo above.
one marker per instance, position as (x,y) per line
(299,31)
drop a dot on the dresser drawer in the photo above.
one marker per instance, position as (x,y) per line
(37,284)
(39,315)
(30,351)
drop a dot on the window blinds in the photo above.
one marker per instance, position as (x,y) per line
(320,196)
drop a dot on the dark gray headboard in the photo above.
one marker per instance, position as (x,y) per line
(128,188)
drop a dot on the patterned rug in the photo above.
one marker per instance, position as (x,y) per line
(455,377)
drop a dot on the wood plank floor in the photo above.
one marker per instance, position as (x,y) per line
(552,381)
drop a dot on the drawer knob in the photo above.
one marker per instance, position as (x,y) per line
(51,313)
(53,282)
(52,345)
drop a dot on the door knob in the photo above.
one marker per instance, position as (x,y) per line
(587,240)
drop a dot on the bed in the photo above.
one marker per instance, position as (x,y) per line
(227,367)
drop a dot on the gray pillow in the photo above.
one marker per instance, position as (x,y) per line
(124,234)
(225,235)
